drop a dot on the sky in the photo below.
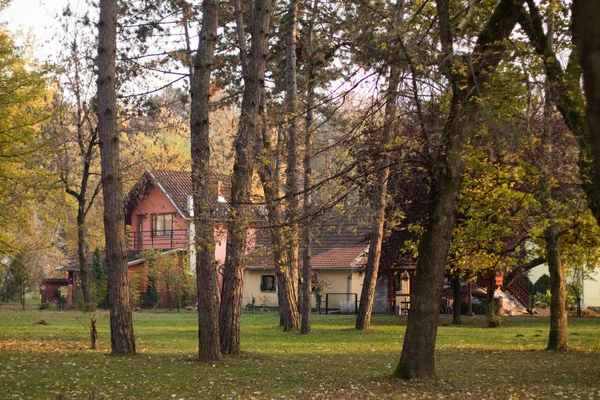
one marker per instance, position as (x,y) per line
(35,17)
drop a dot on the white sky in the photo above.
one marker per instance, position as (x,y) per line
(35,17)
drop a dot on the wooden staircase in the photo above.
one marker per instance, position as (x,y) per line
(522,294)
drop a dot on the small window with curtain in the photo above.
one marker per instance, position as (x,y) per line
(162,224)
(267,283)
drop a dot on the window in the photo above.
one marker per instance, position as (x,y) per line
(162,224)
(267,283)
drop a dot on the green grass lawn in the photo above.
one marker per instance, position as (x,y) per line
(53,361)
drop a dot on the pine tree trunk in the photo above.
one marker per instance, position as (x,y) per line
(307,197)
(121,322)
(209,347)
(292,173)
(307,205)
(286,291)
(241,184)
(417,359)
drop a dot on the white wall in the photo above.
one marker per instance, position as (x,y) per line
(591,287)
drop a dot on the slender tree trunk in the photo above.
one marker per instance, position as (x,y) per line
(84,273)
(307,197)
(286,292)
(457,299)
(209,346)
(284,234)
(378,204)
(241,185)
(121,323)
(292,173)
(417,359)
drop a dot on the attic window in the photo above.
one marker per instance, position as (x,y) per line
(162,224)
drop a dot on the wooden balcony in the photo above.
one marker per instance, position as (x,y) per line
(167,239)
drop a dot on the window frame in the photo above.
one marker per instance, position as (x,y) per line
(273,285)
(164,232)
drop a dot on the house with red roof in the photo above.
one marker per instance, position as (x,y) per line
(159,215)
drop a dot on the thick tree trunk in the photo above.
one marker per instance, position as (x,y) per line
(587,39)
(557,339)
(417,359)
(209,346)
(457,299)
(121,323)
(241,184)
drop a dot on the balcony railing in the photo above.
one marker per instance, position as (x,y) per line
(168,239)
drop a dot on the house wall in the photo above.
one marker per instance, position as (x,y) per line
(252,281)
(591,284)
(339,284)
(591,290)
(155,202)
(138,275)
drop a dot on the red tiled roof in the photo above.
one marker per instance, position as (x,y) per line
(335,258)
(337,244)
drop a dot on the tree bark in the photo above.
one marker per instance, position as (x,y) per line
(286,291)
(587,38)
(557,339)
(417,359)
(209,346)
(121,322)
(241,184)
(292,173)
(379,199)
(308,152)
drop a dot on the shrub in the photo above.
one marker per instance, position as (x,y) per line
(542,284)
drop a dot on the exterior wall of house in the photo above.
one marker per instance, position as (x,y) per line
(591,290)
(591,284)
(155,202)
(220,243)
(252,282)
(342,281)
